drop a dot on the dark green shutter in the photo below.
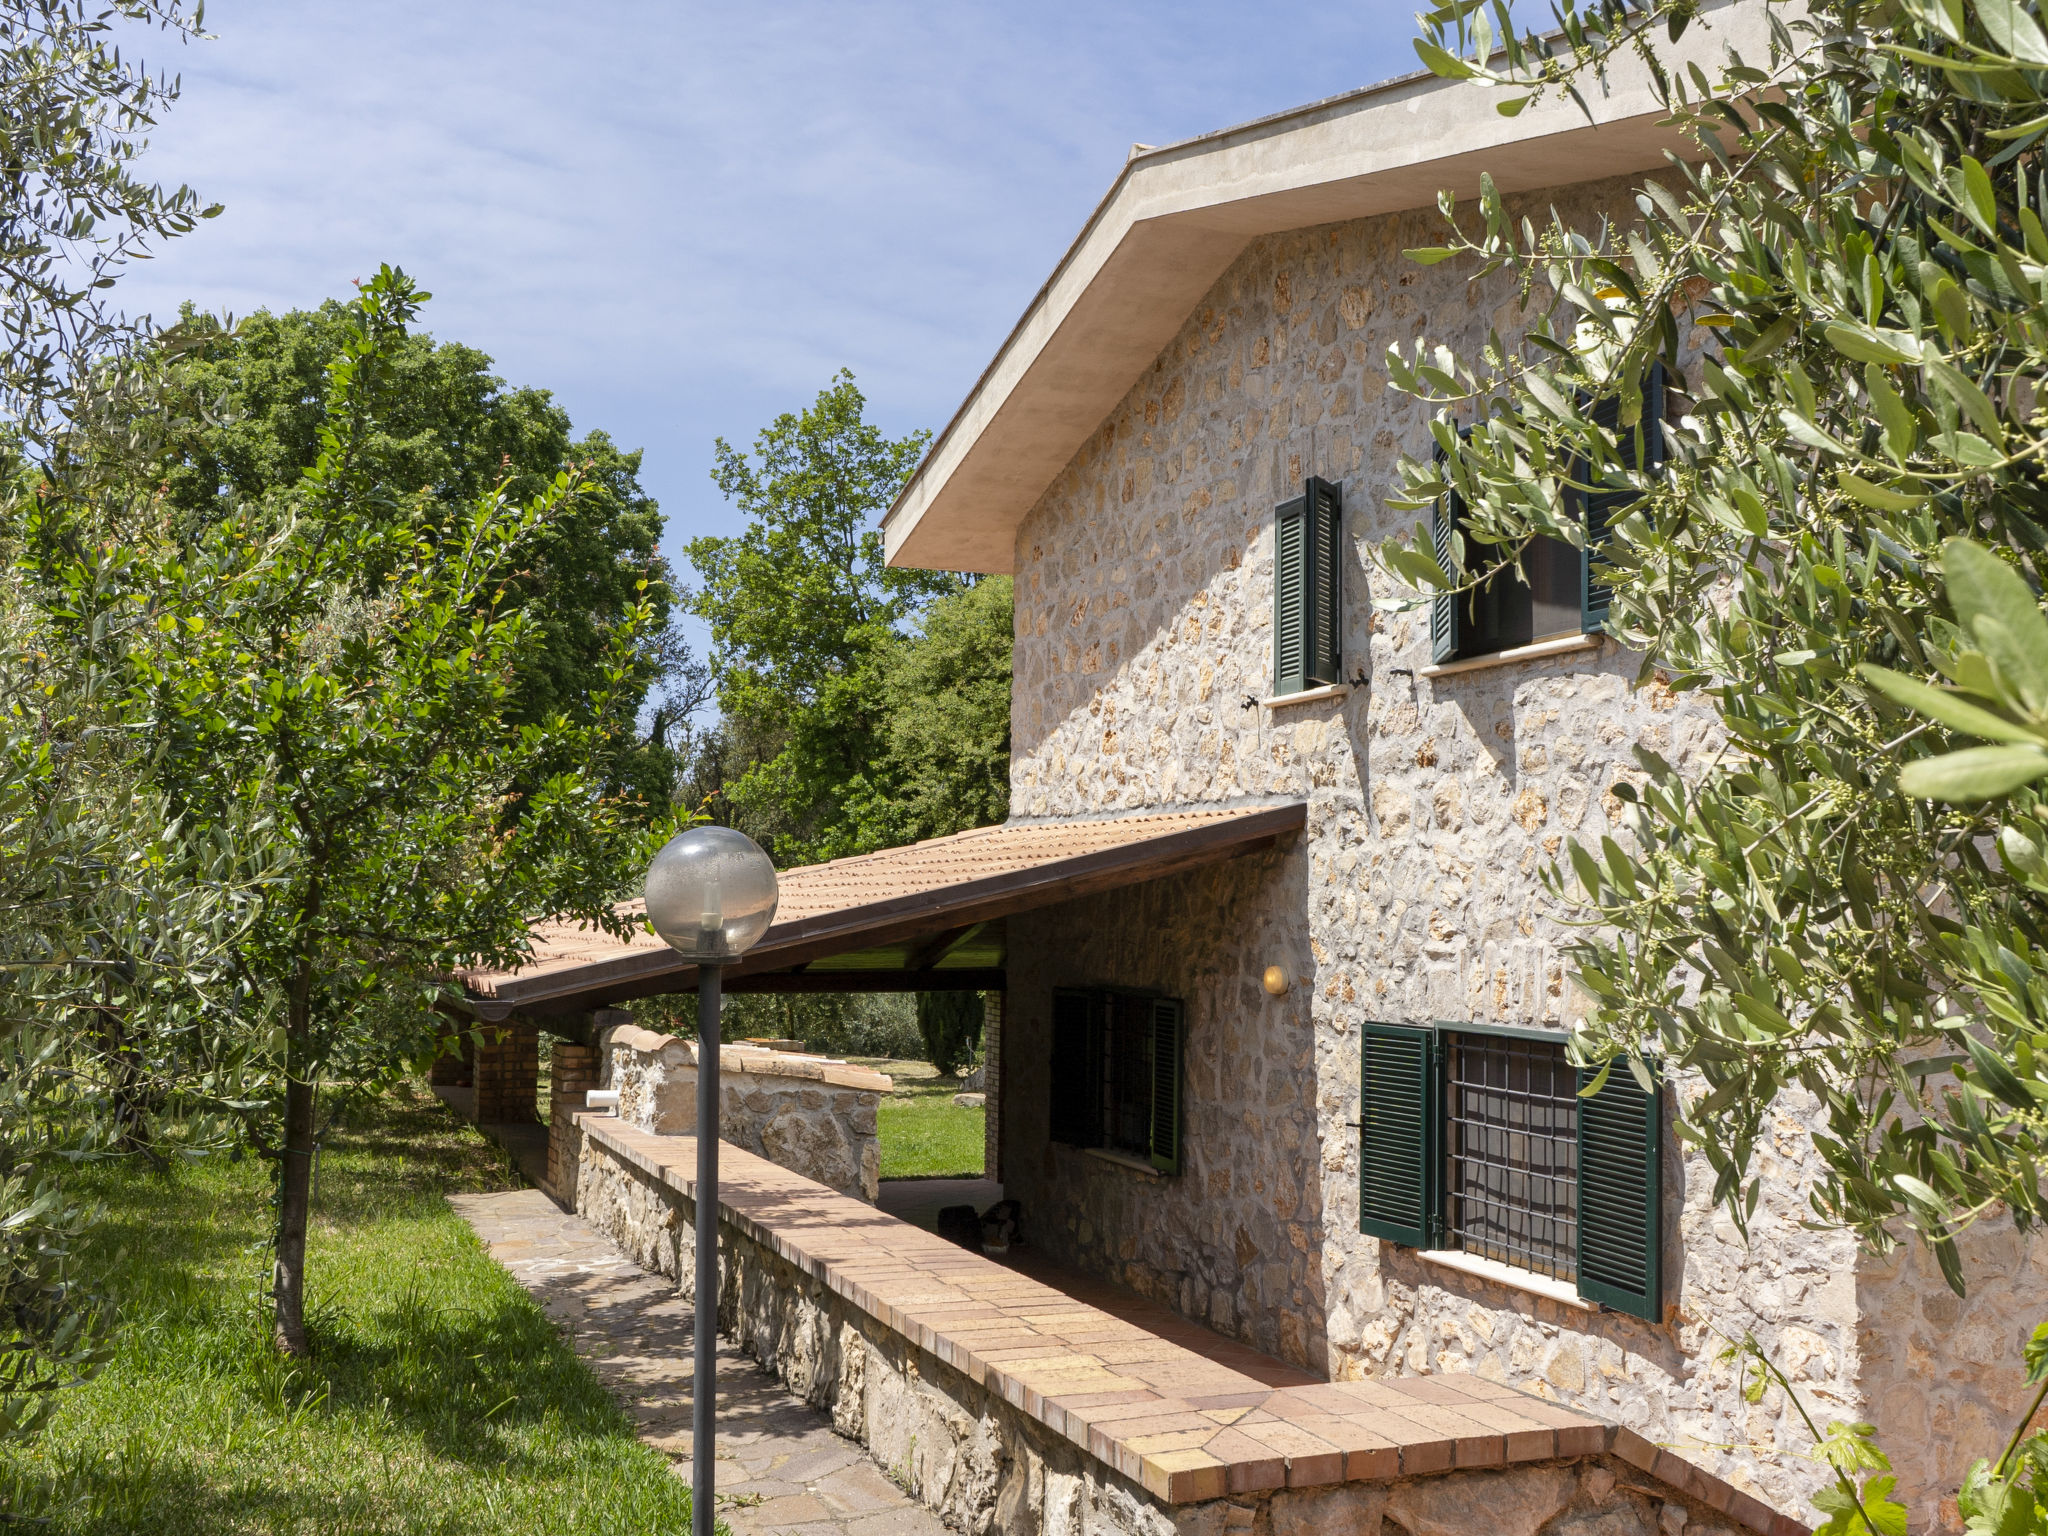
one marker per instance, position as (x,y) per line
(1444,630)
(1644,448)
(1076,1098)
(1169,1037)
(1325,583)
(1290,596)
(1398,1112)
(1621,1226)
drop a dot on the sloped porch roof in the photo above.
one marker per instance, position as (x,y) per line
(917,918)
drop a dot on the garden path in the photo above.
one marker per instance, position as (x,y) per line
(781,1469)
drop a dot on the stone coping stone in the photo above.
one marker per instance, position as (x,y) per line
(1183,1426)
(755,1059)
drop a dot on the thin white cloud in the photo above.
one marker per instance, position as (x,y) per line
(683,218)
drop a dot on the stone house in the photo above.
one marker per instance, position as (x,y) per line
(1315,1097)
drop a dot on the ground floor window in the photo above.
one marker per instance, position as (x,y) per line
(1485,1141)
(1116,1073)
(1511,1122)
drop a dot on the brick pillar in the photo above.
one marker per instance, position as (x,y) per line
(572,1073)
(508,1074)
(454,1069)
(992,1083)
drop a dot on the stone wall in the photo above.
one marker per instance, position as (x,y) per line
(985,1466)
(1143,650)
(1942,1375)
(1233,1241)
(813,1116)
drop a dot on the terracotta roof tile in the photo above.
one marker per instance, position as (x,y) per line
(1018,863)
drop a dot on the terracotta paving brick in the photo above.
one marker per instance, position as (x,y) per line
(1184,1412)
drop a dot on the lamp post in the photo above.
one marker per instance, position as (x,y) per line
(711,895)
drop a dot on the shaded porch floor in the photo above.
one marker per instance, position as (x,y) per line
(918,1202)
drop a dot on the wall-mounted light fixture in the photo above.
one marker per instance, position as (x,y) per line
(1276,981)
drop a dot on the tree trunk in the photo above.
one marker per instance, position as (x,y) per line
(295,1203)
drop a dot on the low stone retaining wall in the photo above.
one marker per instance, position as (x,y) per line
(1005,1406)
(811,1115)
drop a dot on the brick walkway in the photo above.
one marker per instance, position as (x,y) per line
(781,1469)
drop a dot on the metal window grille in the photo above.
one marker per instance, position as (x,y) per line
(1511,1152)
(1127,1078)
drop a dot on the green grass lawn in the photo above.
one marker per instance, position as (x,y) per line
(439,1398)
(924,1133)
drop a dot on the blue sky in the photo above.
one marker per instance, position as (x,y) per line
(682,218)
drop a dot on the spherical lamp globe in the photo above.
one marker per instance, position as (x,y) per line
(711,894)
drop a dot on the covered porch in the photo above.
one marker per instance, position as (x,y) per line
(933,916)
(994,1387)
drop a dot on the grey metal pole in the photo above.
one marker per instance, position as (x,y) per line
(704,1379)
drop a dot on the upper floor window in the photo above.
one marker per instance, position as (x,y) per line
(1116,1073)
(1558,590)
(1478,1140)
(1308,589)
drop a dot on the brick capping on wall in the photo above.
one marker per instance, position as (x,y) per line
(1183,1427)
(755,1059)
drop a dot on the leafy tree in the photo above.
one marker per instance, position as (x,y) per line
(802,610)
(944,764)
(338,665)
(448,431)
(1844,551)
(950,1023)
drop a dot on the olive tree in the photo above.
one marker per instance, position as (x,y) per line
(1843,546)
(107,911)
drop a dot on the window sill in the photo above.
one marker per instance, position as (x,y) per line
(1307,695)
(1123,1160)
(1563,1292)
(1563,646)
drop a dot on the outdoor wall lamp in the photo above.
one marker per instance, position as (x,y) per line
(711,895)
(1275,981)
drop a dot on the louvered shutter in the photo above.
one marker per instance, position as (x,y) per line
(1621,1228)
(1644,448)
(1169,1039)
(1325,536)
(1445,632)
(1290,596)
(1076,1099)
(1399,1108)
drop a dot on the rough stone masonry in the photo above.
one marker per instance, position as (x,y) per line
(989,1460)
(1143,655)
(813,1116)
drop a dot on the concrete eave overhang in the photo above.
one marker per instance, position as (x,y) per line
(1175,219)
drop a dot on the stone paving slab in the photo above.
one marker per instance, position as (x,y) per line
(781,1469)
